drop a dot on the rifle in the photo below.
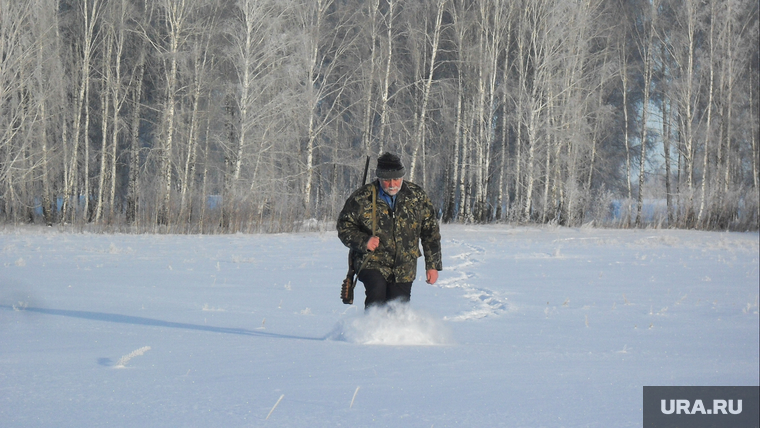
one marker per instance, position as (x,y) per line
(349,283)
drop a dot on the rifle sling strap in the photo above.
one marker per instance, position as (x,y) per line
(374,229)
(374,210)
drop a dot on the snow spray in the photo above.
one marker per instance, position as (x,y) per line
(395,324)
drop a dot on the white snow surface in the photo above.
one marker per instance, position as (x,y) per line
(526,327)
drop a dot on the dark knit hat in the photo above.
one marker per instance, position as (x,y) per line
(389,166)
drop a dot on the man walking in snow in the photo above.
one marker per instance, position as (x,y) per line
(383,223)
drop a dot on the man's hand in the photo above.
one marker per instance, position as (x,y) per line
(373,243)
(432,276)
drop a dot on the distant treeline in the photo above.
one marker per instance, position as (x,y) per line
(215,116)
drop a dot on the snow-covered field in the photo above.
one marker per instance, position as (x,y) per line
(527,327)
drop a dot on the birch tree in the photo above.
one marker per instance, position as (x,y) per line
(136,91)
(645,44)
(201,61)
(90,11)
(503,192)
(17,57)
(369,75)
(105,100)
(176,15)
(326,49)
(688,95)
(384,99)
(537,98)
(419,134)
(708,130)
(48,89)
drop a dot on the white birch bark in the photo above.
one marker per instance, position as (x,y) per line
(176,14)
(90,13)
(711,60)
(506,68)
(387,77)
(646,51)
(133,188)
(687,108)
(201,57)
(105,102)
(118,96)
(419,135)
(374,5)
(626,131)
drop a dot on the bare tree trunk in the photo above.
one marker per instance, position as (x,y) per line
(133,188)
(480,119)
(319,93)
(491,45)
(686,105)
(228,206)
(200,60)
(464,195)
(532,140)
(387,78)
(374,5)
(536,105)
(426,90)
(626,133)
(86,145)
(252,20)
(755,151)
(65,162)
(455,208)
(522,90)
(203,195)
(550,143)
(597,124)
(666,147)
(105,101)
(175,14)
(648,56)
(500,203)
(310,148)
(729,73)
(596,139)
(114,150)
(90,15)
(47,205)
(536,102)
(118,101)
(710,89)
(454,165)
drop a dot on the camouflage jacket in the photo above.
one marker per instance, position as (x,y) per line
(400,231)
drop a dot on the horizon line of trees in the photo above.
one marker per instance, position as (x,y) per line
(206,116)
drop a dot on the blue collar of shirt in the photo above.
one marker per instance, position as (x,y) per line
(390,200)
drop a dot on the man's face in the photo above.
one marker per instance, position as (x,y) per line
(391,186)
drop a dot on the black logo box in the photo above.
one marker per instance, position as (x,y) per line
(701,407)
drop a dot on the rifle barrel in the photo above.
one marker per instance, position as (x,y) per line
(366,168)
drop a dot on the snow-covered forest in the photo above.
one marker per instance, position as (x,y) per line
(253,115)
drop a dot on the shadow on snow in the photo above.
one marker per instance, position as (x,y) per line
(126,319)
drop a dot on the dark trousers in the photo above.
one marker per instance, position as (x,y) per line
(380,291)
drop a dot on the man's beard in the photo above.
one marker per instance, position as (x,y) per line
(392,190)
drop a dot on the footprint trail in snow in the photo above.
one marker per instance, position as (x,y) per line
(486,302)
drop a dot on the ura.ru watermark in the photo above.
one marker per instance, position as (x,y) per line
(701,407)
